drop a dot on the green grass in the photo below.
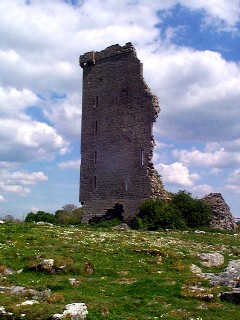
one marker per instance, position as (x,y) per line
(129,280)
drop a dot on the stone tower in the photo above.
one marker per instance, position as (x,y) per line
(118,111)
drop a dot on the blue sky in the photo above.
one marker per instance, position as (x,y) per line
(190,51)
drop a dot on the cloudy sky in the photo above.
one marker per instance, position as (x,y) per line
(190,51)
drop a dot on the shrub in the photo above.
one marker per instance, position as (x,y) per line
(69,217)
(156,214)
(40,216)
(181,212)
(195,212)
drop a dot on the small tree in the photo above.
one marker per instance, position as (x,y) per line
(195,212)
(69,217)
(156,214)
(40,216)
(69,207)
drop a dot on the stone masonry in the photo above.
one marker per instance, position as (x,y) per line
(118,112)
(221,215)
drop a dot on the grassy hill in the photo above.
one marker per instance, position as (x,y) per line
(118,274)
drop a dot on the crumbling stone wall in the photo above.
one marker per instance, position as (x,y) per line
(221,216)
(118,111)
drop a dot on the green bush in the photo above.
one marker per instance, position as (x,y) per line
(181,212)
(40,216)
(195,212)
(69,217)
(156,214)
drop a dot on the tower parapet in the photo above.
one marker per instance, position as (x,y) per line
(91,57)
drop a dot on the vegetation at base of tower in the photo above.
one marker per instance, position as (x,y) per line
(69,217)
(125,274)
(112,217)
(181,212)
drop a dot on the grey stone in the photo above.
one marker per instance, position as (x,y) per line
(74,311)
(221,216)
(230,277)
(195,269)
(211,259)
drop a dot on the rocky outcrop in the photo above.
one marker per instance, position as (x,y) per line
(228,278)
(74,311)
(221,216)
(211,259)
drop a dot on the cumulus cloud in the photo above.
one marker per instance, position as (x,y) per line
(65,113)
(177,174)
(13,182)
(202,190)
(217,159)
(198,92)
(223,13)
(70,164)
(233,182)
(27,140)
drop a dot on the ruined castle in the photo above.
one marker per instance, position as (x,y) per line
(118,112)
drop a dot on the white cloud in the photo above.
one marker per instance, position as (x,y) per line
(70,164)
(198,93)
(65,113)
(13,182)
(202,190)
(27,178)
(14,102)
(233,182)
(224,11)
(20,190)
(28,140)
(2,199)
(177,174)
(217,159)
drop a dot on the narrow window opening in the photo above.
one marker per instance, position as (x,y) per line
(95,157)
(126,184)
(94,182)
(142,157)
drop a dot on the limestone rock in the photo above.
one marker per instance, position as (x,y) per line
(230,277)
(122,226)
(195,269)
(74,311)
(211,259)
(221,216)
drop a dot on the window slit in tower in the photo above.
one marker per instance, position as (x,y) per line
(95,157)
(142,157)
(126,184)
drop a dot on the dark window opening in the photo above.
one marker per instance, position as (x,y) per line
(95,157)
(142,157)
